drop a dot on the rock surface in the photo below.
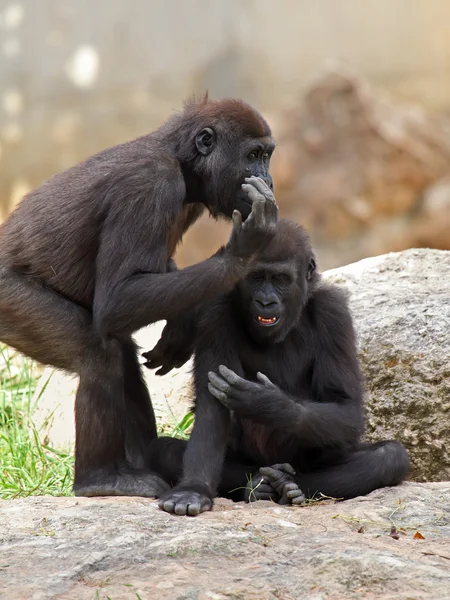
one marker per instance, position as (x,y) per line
(124,549)
(401,307)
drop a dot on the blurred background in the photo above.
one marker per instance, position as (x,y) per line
(357,94)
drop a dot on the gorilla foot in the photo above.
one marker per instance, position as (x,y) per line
(282,479)
(129,483)
(259,488)
(186,500)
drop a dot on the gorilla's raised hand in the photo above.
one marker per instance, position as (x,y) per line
(252,235)
(256,400)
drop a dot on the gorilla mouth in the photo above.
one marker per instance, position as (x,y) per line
(267,321)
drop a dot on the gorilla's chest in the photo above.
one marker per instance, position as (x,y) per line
(287,365)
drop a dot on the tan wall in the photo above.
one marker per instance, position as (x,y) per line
(79,75)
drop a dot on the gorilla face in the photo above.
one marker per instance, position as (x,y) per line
(271,298)
(227,161)
(268,300)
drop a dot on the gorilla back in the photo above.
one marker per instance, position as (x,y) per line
(86,260)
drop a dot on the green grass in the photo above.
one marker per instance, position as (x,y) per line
(27,466)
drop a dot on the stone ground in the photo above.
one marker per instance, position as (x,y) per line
(394,543)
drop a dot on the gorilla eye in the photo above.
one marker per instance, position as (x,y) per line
(252,155)
(266,156)
(281,280)
(256,277)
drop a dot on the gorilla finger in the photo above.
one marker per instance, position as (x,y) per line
(167,505)
(194,509)
(256,198)
(296,494)
(237,219)
(264,380)
(153,359)
(223,398)
(232,377)
(290,487)
(164,370)
(202,505)
(301,499)
(260,185)
(179,363)
(181,508)
(271,210)
(285,467)
(264,495)
(271,473)
(218,382)
(264,488)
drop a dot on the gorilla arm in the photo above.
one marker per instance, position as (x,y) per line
(204,457)
(315,423)
(133,290)
(176,344)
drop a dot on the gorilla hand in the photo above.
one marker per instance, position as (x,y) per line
(282,480)
(175,346)
(188,499)
(259,228)
(258,400)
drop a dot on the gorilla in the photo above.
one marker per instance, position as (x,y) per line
(87,259)
(279,394)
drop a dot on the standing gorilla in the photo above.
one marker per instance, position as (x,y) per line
(277,381)
(86,260)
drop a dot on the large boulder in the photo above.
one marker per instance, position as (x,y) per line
(401,307)
(393,543)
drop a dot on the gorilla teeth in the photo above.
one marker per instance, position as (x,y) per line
(270,321)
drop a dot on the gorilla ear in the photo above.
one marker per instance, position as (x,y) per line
(205,141)
(311,268)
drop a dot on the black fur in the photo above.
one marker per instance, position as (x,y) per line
(294,388)
(86,260)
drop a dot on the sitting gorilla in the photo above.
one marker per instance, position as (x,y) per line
(279,397)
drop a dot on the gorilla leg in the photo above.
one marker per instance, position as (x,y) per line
(370,467)
(140,423)
(43,324)
(112,412)
(166,458)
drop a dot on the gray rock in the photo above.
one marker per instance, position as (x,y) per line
(401,307)
(119,548)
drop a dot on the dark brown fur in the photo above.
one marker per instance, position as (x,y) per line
(310,416)
(86,260)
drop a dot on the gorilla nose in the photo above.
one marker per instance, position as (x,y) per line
(265,303)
